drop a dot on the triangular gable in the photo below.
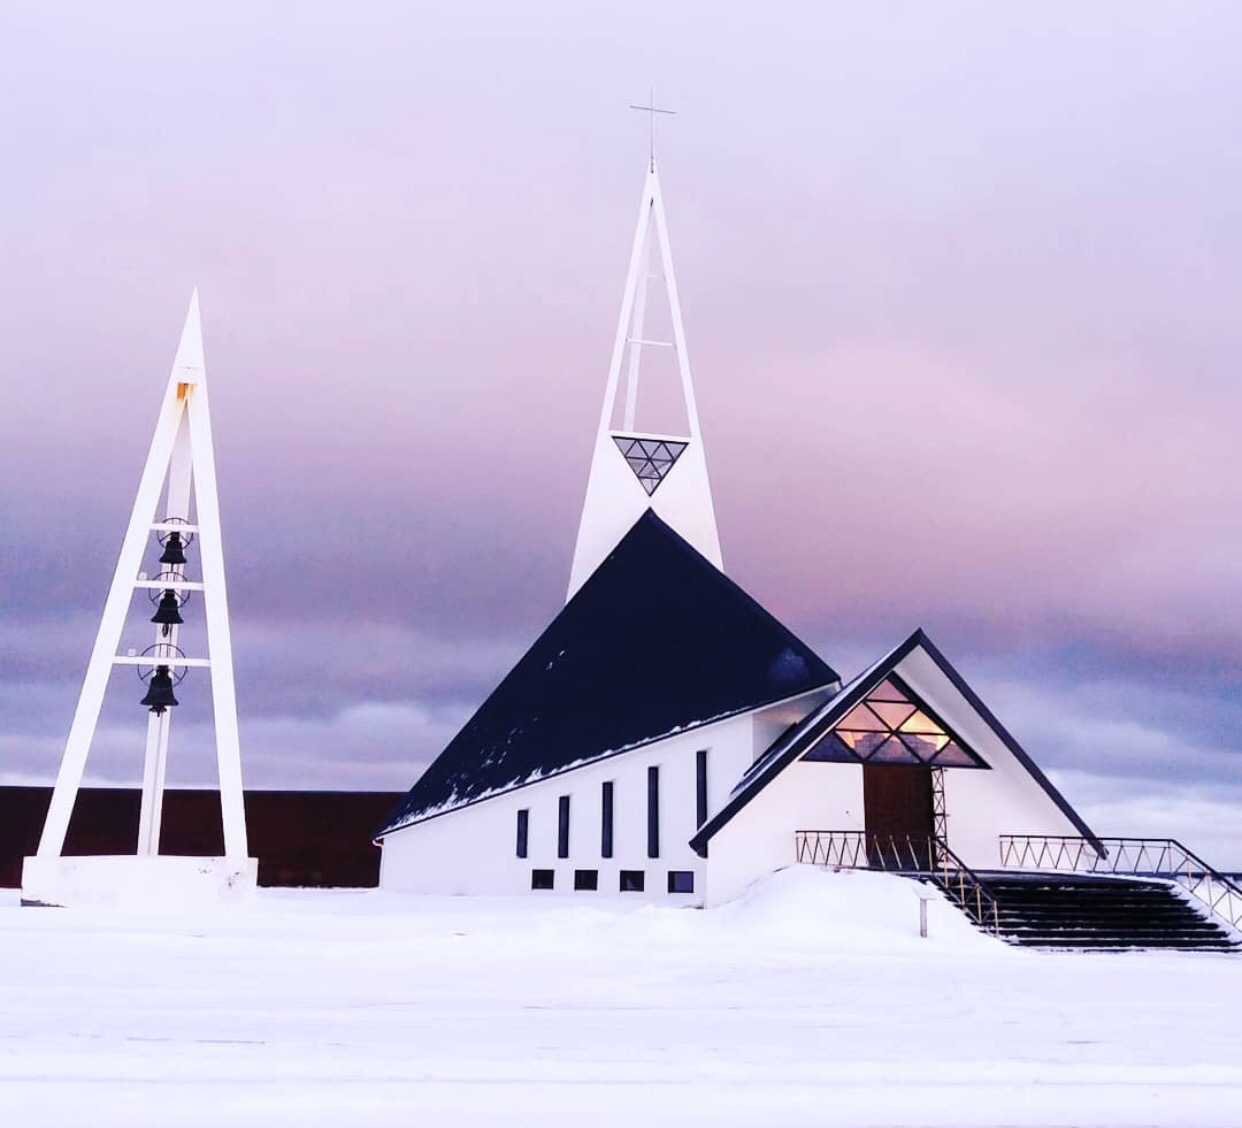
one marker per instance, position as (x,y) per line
(658,640)
(812,732)
(893,724)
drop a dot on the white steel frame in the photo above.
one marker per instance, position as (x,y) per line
(182,454)
(609,509)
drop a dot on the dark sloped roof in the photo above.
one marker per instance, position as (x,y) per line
(793,743)
(656,641)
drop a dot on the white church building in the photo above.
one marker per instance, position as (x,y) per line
(666,737)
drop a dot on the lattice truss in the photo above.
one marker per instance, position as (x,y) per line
(650,459)
(891,726)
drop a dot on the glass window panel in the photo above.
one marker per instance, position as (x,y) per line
(954,755)
(924,747)
(866,743)
(861,719)
(886,691)
(653,811)
(832,749)
(892,713)
(921,722)
(681,881)
(892,751)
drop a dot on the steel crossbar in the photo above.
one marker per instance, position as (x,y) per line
(1163,858)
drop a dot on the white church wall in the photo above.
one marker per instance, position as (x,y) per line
(761,837)
(473,850)
(982,805)
(455,854)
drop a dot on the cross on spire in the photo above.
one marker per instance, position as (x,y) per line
(653,109)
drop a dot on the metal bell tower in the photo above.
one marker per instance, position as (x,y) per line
(181,470)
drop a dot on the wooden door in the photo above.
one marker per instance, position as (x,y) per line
(897,805)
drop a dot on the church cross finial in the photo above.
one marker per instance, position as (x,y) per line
(653,109)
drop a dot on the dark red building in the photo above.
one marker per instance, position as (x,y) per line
(309,838)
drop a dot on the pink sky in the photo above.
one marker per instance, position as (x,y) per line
(960,289)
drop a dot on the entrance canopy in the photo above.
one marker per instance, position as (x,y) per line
(911,708)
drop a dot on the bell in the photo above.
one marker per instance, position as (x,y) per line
(168,613)
(160,691)
(174,550)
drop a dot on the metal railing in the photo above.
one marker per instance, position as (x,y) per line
(1163,858)
(928,857)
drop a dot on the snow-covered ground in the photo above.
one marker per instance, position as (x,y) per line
(812,1001)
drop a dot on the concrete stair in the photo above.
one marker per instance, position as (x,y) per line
(1088,912)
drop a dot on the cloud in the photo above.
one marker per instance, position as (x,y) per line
(368,745)
(1204,819)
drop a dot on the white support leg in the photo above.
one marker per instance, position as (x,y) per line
(636,335)
(148,813)
(627,306)
(674,304)
(108,639)
(181,453)
(161,769)
(615,496)
(155,764)
(219,638)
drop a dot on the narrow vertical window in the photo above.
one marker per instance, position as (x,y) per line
(562,828)
(700,787)
(605,819)
(653,811)
(523,832)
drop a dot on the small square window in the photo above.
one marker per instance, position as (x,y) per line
(681,881)
(542,879)
(633,881)
(586,879)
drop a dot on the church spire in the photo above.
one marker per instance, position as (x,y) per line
(634,469)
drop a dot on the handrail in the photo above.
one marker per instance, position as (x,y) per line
(1164,858)
(903,853)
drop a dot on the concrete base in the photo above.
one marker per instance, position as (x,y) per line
(137,880)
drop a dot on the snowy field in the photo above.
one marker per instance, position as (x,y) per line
(786,1008)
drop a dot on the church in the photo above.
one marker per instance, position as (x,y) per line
(666,737)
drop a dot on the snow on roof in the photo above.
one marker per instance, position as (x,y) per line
(657,641)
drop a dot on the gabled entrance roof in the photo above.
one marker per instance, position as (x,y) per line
(820,724)
(657,641)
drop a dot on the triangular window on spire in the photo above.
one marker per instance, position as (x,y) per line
(892,726)
(650,459)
